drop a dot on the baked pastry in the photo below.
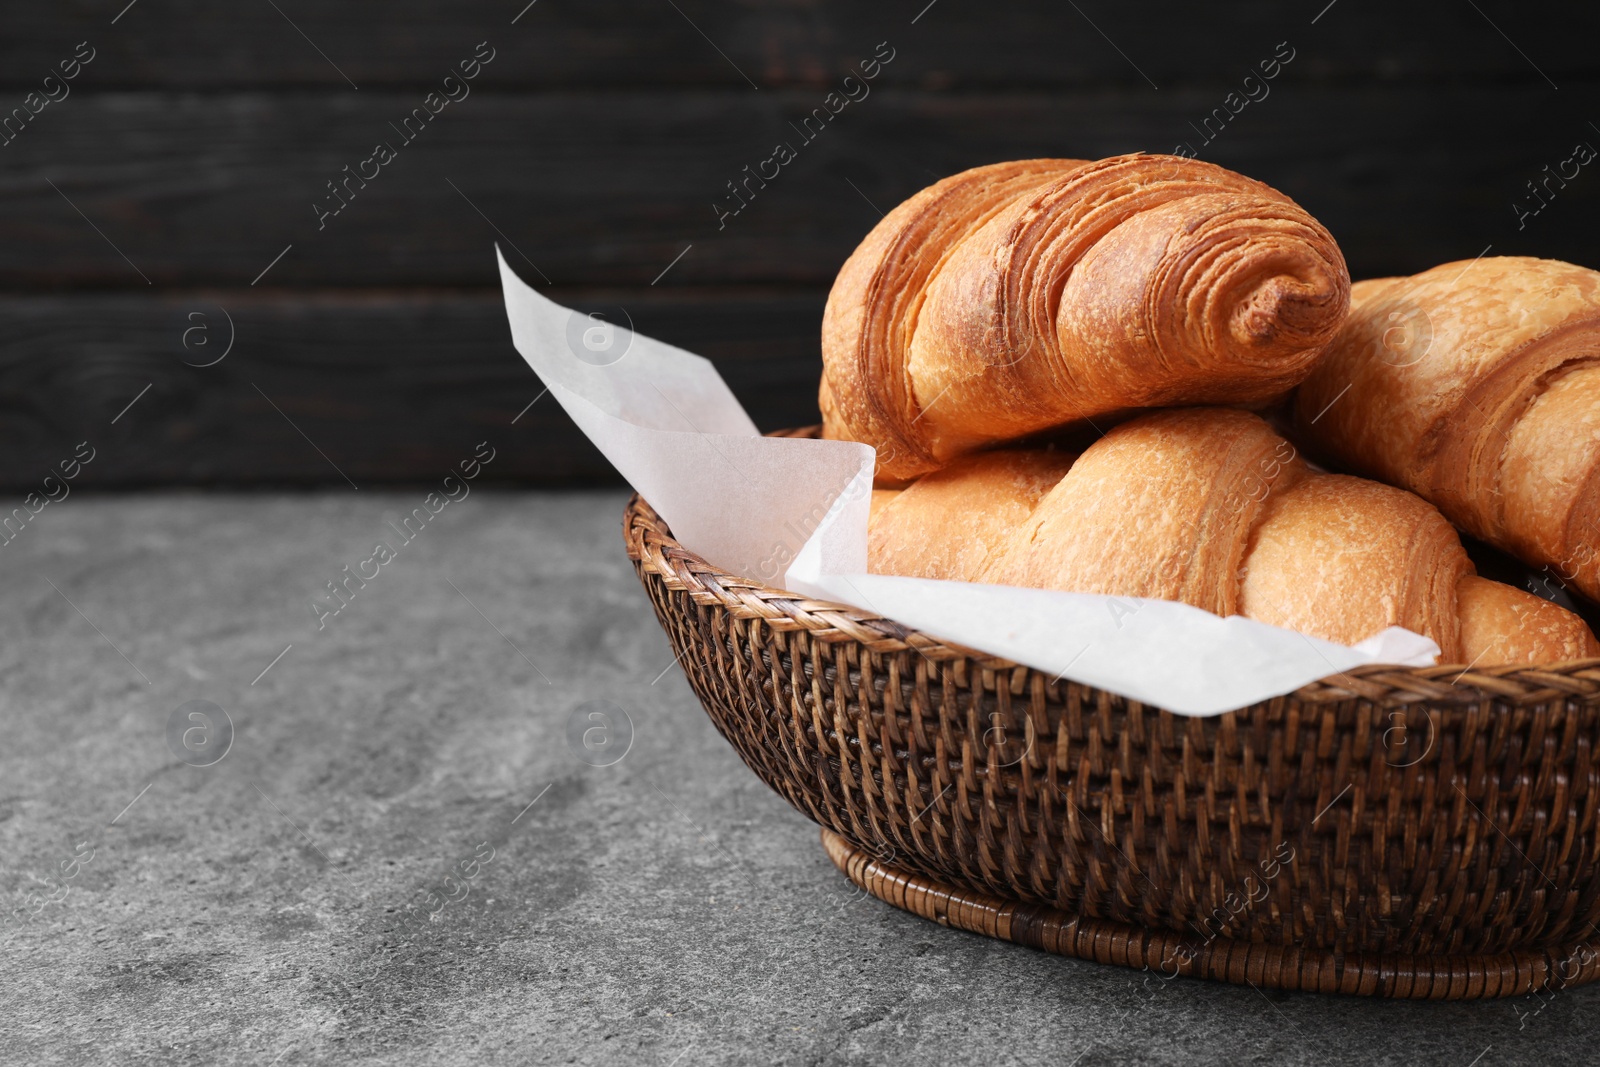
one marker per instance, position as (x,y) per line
(1210,507)
(1476,386)
(946,524)
(1022,296)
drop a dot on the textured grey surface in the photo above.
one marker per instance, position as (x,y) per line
(666,909)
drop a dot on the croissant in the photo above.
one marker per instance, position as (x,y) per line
(1212,508)
(1023,296)
(981,498)
(1476,386)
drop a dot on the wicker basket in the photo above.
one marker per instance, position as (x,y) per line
(1406,832)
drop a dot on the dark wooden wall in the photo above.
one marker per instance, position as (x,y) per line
(191,149)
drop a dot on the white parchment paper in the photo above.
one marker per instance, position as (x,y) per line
(793,514)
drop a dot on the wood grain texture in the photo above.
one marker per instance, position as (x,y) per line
(208,189)
(594,147)
(389,385)
(952,43)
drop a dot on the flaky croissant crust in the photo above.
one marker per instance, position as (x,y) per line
(1477,386)
(1017,297)
(1210,507)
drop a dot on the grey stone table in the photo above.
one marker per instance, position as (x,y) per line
(412,756)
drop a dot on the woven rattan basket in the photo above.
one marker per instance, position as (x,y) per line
(1405,832)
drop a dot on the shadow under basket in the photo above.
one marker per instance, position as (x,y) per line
(1392,831)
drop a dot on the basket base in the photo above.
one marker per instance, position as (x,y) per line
(1167,954)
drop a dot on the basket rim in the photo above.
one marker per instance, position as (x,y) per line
(652,548)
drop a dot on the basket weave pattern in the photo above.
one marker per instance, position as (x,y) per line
(1402,831)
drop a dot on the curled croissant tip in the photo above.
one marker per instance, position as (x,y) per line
(1284,309)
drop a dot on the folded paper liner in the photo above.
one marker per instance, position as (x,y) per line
(793,514)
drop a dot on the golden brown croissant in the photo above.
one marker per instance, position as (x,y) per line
(1022,296)
(981,499)
(1212,508)
(1477,386)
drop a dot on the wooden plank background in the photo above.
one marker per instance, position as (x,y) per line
(190,150)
